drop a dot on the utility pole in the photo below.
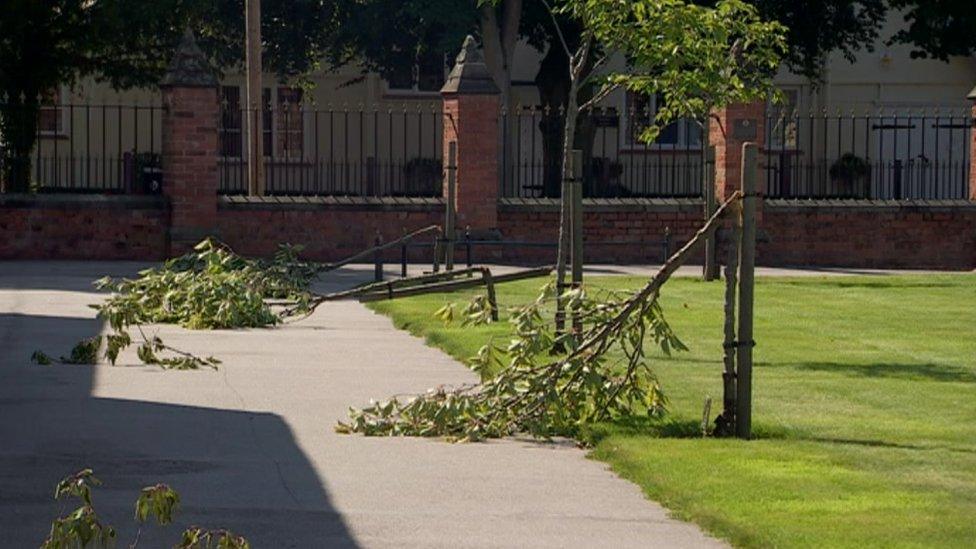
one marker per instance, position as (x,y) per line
(255,107)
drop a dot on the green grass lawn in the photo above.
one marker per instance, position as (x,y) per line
(865,405)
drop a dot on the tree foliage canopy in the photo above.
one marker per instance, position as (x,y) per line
(695,58)
(938,29)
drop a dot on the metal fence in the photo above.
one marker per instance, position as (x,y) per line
(336,152)
(921,154)
(616,162)
(86,148)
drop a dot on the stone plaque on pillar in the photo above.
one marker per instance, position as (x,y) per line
(745,129)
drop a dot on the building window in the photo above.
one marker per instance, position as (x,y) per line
(290,125)
(783,121)
(231,122)
(427,73)
(267,122)
(282,124)
(50,119)
(640,111)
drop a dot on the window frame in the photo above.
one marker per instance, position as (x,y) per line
(414,89)
(773,139)
(222,131)
(60,109)
(629,142)
(270,112)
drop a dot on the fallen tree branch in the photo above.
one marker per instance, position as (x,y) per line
(369,251)
(554,397)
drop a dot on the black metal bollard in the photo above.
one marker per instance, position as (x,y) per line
(467,245)
(403,261)
(378,259)
(667,244)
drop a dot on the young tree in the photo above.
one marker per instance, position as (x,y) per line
(129,43)
(693,58)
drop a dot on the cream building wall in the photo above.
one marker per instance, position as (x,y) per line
(355,131)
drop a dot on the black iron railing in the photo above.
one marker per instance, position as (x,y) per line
(82,148)
(617,163)
(336,151)
(920,154)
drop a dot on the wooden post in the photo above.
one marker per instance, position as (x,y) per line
(255,102)
(449,230)
(576,225)
(710,268)
(490,292)
(747,263)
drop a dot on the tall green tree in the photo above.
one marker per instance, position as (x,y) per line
(128,43)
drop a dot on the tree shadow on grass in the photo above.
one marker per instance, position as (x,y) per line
(867,283)
(674,428)
(909,371)
(669,428)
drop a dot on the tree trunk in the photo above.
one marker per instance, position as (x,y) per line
(499,40)
(572,110)
(552,82)
(18,135)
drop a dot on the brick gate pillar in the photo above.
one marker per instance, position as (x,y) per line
(190,147)
(471,117)
(972,149)
(729,128)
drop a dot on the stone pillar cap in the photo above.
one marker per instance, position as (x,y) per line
(189,67)
(470,74)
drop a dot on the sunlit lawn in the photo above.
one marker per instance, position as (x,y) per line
(865,403)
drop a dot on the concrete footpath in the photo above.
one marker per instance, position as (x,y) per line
(251,447)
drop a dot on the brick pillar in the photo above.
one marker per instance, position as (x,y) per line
(728,130)
(471,117)
(190,146)
(972,150)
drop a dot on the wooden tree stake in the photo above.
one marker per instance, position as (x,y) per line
(576,224)
(747,264)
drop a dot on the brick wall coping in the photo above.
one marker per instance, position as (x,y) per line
(780,204)
(84,201)
(329,203)
(604,204)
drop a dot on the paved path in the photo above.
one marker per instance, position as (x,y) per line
(251,447)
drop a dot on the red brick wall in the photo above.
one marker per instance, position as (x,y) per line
(82,227)
(327,230)
(876,236)
(856,235)
(972,162)
(636,231)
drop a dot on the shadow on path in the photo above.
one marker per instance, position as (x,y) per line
(233,469)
